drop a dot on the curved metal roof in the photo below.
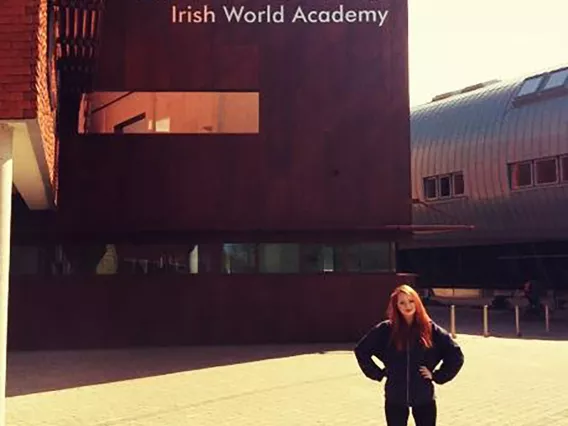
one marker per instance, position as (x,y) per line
(479,133)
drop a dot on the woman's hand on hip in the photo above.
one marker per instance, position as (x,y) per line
(427,374)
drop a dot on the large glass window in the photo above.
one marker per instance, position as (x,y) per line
(104,259)
(172,112)
(175,259)
(546,171)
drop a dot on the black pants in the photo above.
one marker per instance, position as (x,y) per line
(424,415)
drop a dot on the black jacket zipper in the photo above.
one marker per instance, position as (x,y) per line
(407,374)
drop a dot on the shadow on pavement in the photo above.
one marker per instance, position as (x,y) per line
(43,371)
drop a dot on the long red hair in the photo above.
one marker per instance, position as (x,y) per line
(421,328)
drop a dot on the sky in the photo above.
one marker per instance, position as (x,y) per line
(457,43)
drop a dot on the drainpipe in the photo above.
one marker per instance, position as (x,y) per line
(6,179)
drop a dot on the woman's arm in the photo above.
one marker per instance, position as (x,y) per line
(452,356)
(373,343)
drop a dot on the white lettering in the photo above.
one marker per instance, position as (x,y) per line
(351,16)
(191,16)
(267,15)
(383,15)
(232,13)
(340,15)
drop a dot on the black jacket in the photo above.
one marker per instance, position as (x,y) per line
(405,385)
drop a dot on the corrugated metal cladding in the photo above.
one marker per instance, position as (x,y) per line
(479,133)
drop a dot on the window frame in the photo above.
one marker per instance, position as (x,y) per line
(535,172)
(561,168)
(454,175)
(439,182)
(512,169)
(557,87)
(424,181)
(540,78)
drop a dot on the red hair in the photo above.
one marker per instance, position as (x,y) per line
(420,329)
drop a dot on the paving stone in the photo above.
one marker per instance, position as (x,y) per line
(504,381)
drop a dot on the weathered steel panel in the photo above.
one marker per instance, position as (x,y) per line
(333,100)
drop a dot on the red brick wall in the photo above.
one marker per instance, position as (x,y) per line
(45,115)
(23,69)
(18,57)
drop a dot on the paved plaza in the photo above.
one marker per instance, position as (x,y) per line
(505,381)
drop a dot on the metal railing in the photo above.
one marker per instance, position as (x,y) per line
(486,325)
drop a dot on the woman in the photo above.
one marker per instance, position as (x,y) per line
(410,345)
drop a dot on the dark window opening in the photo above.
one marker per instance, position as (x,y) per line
(445,186)
(546,171)
(459,184)
(521,175)
(430,190)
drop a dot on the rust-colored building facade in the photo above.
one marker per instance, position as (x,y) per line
(217,182)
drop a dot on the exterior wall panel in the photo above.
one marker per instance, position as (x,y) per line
(120,311)
(333,99)
(486,132)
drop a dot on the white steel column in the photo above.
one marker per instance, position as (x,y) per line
(6,178)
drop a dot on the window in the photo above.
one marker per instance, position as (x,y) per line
(530,86)
(316,258)
(556,79)
(445,186)
(546,171)
(172,112)
(459,185)
(375,257)
(279,258)
(137,124)
(430,190)
(542,87)
(239,258)
(369,257)
(521,175)
(564,164)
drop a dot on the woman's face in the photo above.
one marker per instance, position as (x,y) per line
(406,306)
